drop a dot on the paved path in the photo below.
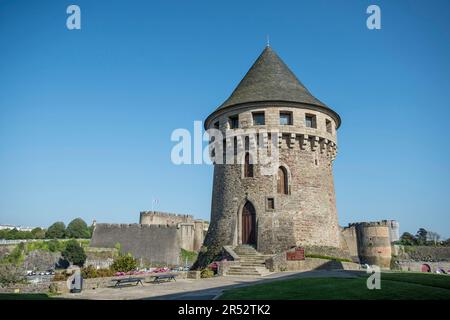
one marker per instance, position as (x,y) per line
(189,289)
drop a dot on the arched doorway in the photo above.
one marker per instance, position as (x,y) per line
(426,268)
(248,225)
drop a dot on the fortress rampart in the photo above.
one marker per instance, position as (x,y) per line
(370,242)
(158,238)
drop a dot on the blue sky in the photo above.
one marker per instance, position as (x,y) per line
(86,115)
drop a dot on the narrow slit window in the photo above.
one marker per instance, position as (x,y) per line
(328,126)
(234,122)
(270,203)
(248,166)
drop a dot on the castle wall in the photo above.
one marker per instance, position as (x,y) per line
(394,230)
(186,235)
(163,218)
(350,242)
(199,234)
(157,244)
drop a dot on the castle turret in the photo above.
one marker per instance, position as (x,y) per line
(294,205)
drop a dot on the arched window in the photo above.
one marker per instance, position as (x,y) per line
(248,167)
(282,181)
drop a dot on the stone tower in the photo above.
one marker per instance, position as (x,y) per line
(294,206)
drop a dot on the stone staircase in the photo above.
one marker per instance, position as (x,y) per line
(251,263)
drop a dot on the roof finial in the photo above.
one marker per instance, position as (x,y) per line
(268,41)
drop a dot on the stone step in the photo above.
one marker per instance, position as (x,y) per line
(252,260)
(246,273)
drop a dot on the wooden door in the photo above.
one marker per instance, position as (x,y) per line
(248,224)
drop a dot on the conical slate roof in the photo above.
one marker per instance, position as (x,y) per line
(270,79)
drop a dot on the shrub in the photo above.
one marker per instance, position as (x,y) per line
(124,263)
(61,276)
(189,256)
(206,273)
(55,246)
(74,253)
(92,272)
(11,274)
(77,228)
(105,272)
(53,288)
(17,255)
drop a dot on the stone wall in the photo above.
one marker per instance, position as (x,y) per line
(416,266)
(164,218)
(349,243)
(279,263)
(152,243)
(422,253)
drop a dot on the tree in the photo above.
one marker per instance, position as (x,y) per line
(38,233)
(56,231)
(11,274)
(78,229)
(74,253)
(421,236)
(407,239)
(433,237)
(446,243)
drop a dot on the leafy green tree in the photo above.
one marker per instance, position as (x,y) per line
(78,229)
(91,230)
(446,242)
(421,236)
(407,239)
(74,253)
(38,233)
(56,231)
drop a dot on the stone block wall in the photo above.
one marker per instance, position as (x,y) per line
(152,243)
(164,218)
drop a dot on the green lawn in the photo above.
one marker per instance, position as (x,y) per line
(394,286)
(24,296)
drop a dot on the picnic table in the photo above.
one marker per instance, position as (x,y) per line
(121,281)
(166,277)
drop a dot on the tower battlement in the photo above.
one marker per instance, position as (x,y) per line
(164,218)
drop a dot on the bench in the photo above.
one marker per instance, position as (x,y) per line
(122,281)
(166,277)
